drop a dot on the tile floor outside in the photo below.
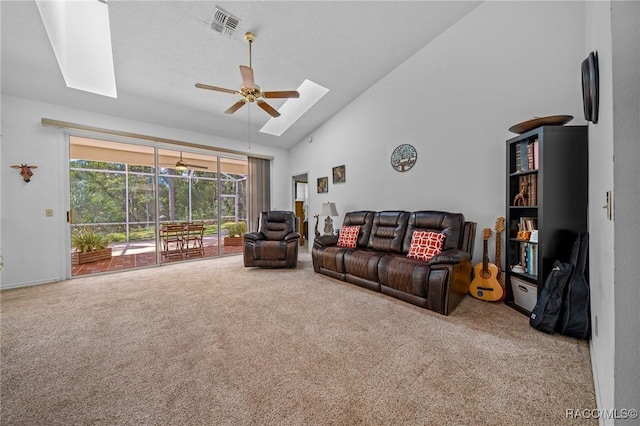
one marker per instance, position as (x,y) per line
(137,254)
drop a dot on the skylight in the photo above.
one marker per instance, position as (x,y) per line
(294,108)
(81,39)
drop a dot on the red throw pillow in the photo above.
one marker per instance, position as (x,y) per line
(348,236)
(425,244)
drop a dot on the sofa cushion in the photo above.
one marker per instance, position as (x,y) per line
(270,250)
(332,259)
(362,263)
(449,224)
(406,275)
(364,219)
(426,244)
(388,231)
(348,236)
(275,225)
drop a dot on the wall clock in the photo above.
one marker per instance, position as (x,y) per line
(403,157)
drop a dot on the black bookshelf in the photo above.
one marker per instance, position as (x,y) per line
(554,162)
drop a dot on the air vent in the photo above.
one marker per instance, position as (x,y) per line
(224,23)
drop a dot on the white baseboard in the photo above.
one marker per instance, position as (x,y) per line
(30,283)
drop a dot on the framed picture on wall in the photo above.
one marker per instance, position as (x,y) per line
(339,174)
(323,184)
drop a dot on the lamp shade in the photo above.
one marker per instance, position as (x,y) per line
(329,209)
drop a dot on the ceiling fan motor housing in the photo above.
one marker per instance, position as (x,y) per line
(250,94)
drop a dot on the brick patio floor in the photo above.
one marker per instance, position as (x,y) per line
(143,253)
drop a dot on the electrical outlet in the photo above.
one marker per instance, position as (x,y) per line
(48,212)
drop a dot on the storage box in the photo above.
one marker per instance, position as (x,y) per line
(525,294)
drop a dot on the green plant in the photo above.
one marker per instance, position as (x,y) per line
(235,229)
(85,240)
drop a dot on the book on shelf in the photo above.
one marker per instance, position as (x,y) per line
(534,236)
(532,257)
(527,156)
(529,258)
(534,189)
(524,157)
(528,223)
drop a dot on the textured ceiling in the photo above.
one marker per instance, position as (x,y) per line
(162,48)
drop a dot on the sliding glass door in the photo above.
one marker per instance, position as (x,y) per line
(188,201)
(151,205)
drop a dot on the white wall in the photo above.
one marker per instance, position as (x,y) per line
(505,62)
(613,30)
(625,34)
(601,229)
(32,244)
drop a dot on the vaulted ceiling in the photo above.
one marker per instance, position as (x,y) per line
(162,48)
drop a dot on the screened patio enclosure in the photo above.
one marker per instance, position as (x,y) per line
(130,194)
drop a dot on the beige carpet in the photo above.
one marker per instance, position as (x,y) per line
(214,343)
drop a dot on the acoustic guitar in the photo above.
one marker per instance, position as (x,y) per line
(485,284)
(498,259)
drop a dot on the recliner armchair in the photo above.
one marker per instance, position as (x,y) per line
(275,244)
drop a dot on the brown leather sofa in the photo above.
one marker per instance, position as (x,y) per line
(379,262)
(275,244)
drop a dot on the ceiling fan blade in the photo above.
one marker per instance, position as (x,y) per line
(233,108)
(217,89)
(282,94)
(268,108)
(247,77)
(195,166)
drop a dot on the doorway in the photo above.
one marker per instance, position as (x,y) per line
(149,205)
(301,205)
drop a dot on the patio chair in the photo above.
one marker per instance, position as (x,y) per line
(193,236)
(172,236)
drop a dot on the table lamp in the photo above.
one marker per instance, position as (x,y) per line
(328,209)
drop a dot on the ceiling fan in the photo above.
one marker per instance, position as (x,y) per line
(181,165)
(249,90)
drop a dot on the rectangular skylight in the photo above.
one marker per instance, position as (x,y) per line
(294,108)
(80,35)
